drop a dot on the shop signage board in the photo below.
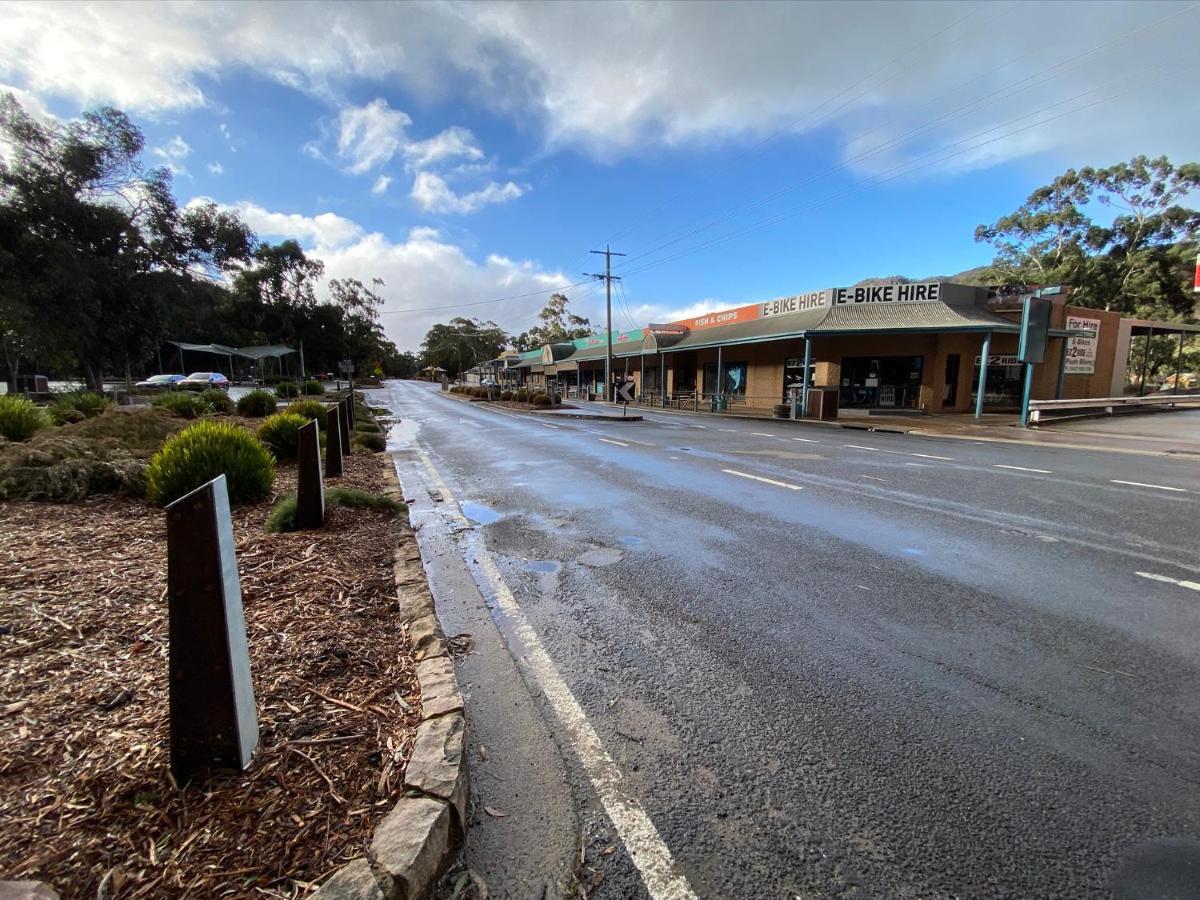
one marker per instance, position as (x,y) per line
(799,303)
(1081,351)
(999,359)
(926,292)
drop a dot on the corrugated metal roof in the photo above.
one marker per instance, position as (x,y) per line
(626,348)
(911,317)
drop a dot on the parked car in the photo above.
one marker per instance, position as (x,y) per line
(159,382)
(200,381)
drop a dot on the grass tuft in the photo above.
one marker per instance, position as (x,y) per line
(282,516)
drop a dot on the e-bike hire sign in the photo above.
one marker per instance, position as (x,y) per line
(929,292)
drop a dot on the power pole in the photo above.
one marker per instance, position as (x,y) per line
(608,278)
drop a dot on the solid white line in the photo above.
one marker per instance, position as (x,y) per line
(1190,585)
(1022,469)
(646,847)
(782,484)
(857,447)
(762,434)
(618,443)
(1157,487)
(806,440)
(931,456)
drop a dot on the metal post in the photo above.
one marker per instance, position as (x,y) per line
(662,374)
(333,442)
(1062,370)
(1025,392)
(1145,363)
(310,490)
(720,382)
(804,378)
(1178,363)
(983,367)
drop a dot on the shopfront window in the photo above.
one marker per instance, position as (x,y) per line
(793,374)
(1004,381)
(651,383)
(735,379)
(881,382)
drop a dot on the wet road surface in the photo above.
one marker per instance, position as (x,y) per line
(816,662)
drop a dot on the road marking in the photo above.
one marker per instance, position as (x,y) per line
(1022,469)
(859,447)
(762,434)
(931,456)
(618,443)
(806,440)
(1157,487)
(474,424)
(873,478)
(646,847)
(920,465)
(673,457)
(697,426)
(782,484)
(547,425)
(730,430)
(1167,579)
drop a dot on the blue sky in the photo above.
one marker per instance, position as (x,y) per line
(465,152)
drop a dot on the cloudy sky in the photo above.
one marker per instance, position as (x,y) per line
(471,152)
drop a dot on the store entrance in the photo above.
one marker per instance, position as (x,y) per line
(881,382)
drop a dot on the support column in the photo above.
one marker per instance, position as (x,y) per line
(1062,370)
(983,367)
(1178,363)
(720,381)
(804,378)
(662,374)
(1145,363)
(1025,394)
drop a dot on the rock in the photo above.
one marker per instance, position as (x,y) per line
(27,890)
(438,765)
(411,847)
(426,636)
(439,687)
(353,881)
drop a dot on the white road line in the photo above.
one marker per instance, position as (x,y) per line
(931,456)
(920,465)
(646,847)
(761,434)
(673,457)
(782,484)
(1157,487)
(1022,469)
(806,440)
(1166,579)
(618,443)
(859,447)
(730,430)
(697,426)
(473,424)
(547,425)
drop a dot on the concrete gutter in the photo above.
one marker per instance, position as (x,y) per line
(416,842)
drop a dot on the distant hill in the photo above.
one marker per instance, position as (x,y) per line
(980,275)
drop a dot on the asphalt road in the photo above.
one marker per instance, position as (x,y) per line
(820,662)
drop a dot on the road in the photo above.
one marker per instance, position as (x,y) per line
(788,660)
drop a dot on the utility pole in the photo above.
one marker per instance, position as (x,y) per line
(608,278)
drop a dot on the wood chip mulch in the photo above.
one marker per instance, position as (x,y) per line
(87,802)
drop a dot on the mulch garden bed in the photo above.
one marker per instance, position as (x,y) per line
(87,802)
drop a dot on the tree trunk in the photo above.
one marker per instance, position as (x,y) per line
(13,360)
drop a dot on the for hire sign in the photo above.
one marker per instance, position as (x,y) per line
(888,293)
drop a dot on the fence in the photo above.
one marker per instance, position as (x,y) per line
(1049,410)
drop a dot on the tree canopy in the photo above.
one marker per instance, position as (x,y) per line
(462,344)
(556,324)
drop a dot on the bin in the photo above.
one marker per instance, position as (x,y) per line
(822,404)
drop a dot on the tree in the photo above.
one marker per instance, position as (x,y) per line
(1138,263)
(462,344)
(558,325)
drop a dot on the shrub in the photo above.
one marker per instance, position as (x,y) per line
(283,514)
(205,450)
(287,389)
(59,468)
(181,403)
(521,395)
(312,388)
(281,434)
(366,440)
(364,425)
(256,404)
(309,409)
(83,404)
(217,401)
(506,395)
(20,417)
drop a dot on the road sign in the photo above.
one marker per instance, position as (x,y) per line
(346,365)
(625,392)
(1035,329)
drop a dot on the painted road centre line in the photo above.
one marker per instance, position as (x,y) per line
(618,443)
(1157,487)
(806,440)
(1021,469)
(931,456)
(646,847)
(1166,579)
(761,434)
(547,425)
(782,484)
(860,447)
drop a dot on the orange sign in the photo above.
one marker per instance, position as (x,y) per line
(722,317)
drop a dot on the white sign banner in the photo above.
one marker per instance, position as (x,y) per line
(929,292)
(799,303)
(1081,351)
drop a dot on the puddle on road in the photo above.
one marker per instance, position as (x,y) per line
(599,557)
(479,513)
(633,543)
(543,566)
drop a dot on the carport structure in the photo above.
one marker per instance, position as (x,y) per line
(257,355)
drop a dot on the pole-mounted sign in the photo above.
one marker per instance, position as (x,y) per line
(1035,333)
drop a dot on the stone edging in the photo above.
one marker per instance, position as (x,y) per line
(414,843)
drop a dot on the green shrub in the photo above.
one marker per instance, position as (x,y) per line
(364,425)
(287,389)
(506,395)
(541,400)
(283,514)
(281,434)
(309,409)
(205,450)
(312,388)
(217,401)
(181,403)
(366,440)
(256,404)
(76,405)
(521,395)
(20,417)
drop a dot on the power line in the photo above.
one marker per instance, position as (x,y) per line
(608,253)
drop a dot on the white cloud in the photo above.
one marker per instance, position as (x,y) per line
(215,168)
(454,142)
(369,136)
(172,154)
(379,188)
(432,194)
(322,231)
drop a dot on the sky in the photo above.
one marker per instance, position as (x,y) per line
(471,155)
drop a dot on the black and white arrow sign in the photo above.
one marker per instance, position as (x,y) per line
(625,392)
